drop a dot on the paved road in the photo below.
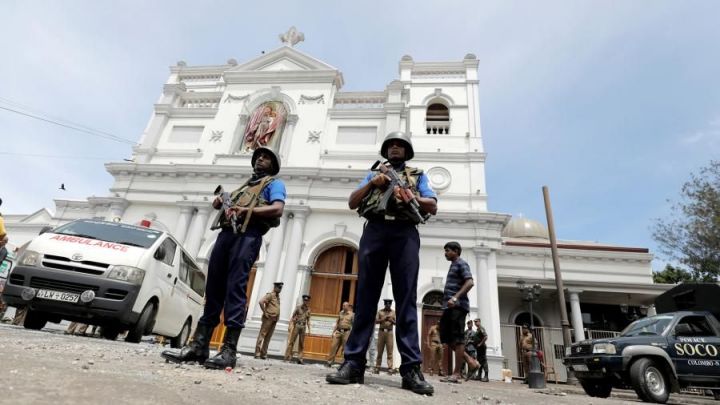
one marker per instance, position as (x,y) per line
(47,367)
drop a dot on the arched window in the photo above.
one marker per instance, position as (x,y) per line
(437,119)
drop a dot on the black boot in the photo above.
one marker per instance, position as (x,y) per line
(414,381)
(346,374)
(197,350)
(227,356)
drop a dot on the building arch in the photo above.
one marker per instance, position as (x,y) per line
(521,316)
(326,241)
(438,97)
(255,100)
(437,116)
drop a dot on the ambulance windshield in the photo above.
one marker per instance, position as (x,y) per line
(110,232)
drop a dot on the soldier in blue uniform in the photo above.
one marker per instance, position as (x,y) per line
(389,237)
(232,258)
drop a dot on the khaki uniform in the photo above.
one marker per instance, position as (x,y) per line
(526,344)
(386,338)
(300,321)
(269,320)
(436,349)
(340,334)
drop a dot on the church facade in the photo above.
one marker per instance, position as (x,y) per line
(208,120)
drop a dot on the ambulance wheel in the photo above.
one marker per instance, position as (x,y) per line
(109,332)
(34,320)
(144,322)
(182,338)
(649,381)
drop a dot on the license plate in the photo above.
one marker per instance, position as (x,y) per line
(58,296)
(580,367)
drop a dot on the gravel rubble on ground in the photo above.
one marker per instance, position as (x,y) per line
(47,367)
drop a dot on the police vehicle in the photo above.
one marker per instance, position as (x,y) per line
(657,355)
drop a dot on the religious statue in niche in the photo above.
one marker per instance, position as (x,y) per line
(265,126)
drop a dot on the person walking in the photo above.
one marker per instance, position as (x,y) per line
(259,204)
(456,306)
(390,236)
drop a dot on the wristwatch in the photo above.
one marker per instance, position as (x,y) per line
(453,299)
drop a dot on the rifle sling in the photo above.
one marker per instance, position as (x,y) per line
(253,202)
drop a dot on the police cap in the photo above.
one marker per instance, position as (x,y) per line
(306,297)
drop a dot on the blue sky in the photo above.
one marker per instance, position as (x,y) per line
(609,103)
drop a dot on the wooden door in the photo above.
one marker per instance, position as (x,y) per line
(333,281)
(429,318)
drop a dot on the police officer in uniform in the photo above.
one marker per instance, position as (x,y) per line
(385,318)
(389,237)
(341,332)
(270,306)
(436,349)
(301,321)
(527,342)
(480,341)
(258,203)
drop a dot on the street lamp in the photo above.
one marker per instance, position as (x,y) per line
(530,294)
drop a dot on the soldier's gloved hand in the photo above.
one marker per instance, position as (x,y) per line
(380,181)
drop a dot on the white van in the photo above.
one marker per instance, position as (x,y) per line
(118,276)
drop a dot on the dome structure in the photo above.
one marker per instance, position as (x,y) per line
(525,228)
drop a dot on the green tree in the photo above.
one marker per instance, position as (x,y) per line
(672,275)
(691,235)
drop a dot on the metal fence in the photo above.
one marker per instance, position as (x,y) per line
(550,341)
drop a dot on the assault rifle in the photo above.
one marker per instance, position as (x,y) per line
(406,193)
(226,203)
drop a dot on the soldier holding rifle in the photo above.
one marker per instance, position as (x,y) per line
(394,200)
(253,209)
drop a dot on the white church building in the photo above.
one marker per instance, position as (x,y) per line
(202,131)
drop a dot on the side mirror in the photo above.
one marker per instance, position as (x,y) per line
(45,229)
(160,253)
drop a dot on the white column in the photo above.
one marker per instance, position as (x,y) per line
(482,285)
(290,124)
(118,207)
(181,228)
(271,267)
(290,271)
(494,304)
(576,315)
(197,229)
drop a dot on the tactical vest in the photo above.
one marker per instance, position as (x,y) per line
(243,197)
(398,211)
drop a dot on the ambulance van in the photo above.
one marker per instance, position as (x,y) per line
(119,276)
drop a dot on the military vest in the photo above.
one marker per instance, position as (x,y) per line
(243,197)
(396,210)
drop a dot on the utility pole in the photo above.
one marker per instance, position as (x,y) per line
(567,339)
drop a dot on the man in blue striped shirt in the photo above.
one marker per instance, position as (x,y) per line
(456,306)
